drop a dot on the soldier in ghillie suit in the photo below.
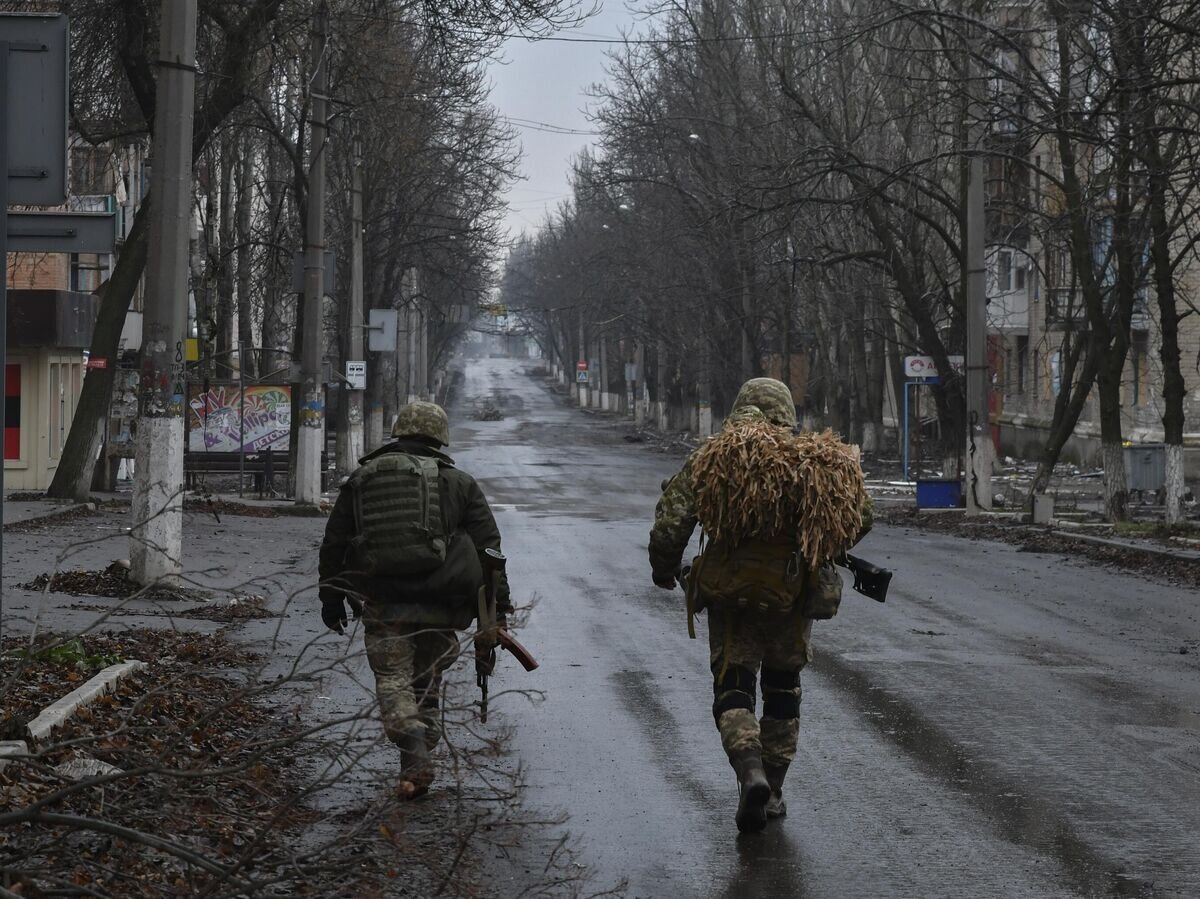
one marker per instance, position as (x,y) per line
(775,507)
(403,545)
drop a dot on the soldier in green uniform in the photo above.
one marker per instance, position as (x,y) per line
(403,545)
(749,646)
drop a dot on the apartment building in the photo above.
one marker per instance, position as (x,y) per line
(52,308)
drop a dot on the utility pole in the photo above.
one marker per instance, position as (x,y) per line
(979,450)
(156,538)
(350,443)
(312,398)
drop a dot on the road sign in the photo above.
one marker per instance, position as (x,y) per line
(356,374)
(581,376)
(62,232)
(923,367)
(330,272)
(36,109)
(381,330)
(919,367)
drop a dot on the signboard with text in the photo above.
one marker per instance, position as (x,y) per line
(923,366)
(214,423)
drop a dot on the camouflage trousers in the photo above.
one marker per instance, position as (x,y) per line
(745,647)
(408,661)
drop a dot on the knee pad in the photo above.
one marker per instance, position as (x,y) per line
(781,694)
(733,690)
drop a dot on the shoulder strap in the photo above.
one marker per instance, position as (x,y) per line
(431,471)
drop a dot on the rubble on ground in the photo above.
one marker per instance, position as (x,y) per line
(487,411)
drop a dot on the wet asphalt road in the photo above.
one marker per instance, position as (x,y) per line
(1009,724)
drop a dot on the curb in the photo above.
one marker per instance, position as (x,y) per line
(54,716)
(1177,555)
(55,513)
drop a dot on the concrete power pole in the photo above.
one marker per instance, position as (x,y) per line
(312,397)
(979,450)
(156,538)
(350,443)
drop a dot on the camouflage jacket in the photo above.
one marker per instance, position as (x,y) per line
(444,597)
(675,521)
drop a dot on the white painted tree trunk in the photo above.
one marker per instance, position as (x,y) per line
(1175,486)
(308,464)
(375,427)
(870,437)
(156,537)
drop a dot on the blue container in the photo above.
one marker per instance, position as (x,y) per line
(938,493)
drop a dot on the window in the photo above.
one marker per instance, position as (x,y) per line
(1056,384)
(90,171)
(1020,277)
(1004,272)
(1037,373)
(1022,361)
(87,272)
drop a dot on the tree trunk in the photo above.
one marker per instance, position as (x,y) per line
(247,359)
(1175,486)
(73,477)
(1116,493)
(224,258)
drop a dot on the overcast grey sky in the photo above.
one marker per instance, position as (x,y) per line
(547,82)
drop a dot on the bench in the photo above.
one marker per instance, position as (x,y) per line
(264,466)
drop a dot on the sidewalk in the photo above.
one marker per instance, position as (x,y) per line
(23,510)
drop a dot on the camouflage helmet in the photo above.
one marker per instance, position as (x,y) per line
(772,398)
(421,419)
(744,414)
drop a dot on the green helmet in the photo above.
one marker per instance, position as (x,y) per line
(771,397)
(421,419)
(744,414)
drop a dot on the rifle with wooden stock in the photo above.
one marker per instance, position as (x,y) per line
(490,633)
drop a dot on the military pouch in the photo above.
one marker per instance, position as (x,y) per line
(823,593)
(756,576)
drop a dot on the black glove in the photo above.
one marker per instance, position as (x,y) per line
(666,581)
(333,611)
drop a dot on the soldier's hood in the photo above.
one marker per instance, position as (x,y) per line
(772,398)
(405,445)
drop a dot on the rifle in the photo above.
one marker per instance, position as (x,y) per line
(489,634)
(870,580)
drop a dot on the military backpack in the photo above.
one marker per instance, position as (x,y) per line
(398,511)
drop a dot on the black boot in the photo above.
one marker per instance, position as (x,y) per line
(776,807)
(753,791)
(416,768)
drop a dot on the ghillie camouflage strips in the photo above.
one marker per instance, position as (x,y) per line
(759,479)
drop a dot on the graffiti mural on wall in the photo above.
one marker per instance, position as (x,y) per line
(213,418)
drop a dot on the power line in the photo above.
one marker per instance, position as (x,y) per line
(652,41)
(548,127)
(599,39)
